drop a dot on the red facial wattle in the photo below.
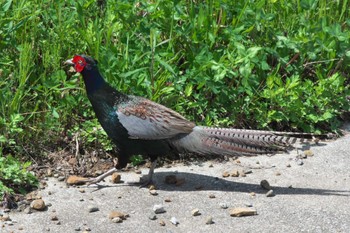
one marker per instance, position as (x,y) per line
(79,63)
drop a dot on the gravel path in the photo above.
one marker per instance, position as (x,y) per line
(309,195)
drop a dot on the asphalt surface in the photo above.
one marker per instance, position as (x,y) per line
(313,197)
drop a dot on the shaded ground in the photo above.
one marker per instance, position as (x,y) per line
(313,197)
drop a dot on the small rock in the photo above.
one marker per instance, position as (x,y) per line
(170,179)
(308,153)
(162,223)
(153,192)
(248,204)
(195,212)
(53,217)
(27,210)
(38,204)
(87,229)
(5,217)
(270,193)
(152,217)
(115,178)
(300,162)
(242,211)
(223,205)
(115,214)
(277,173)
(77,229)
(167,200)
(238,161)
(81,190)
(174,221)
(225,174)
(92,209)
(252,194)
(61,178)
(58,223)
(209,220)
(49,172)
(235,173)
(76,180)
(117,220)
(56,175)
(288,165)
(265,184)
(138,171)
(211,165)
(152,187)
(211,196)
(158,209)
(242,173)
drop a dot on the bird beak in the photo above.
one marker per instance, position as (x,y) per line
(69,62)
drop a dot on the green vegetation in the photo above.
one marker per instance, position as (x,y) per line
(264,64)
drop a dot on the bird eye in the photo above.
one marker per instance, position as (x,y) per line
(80,61)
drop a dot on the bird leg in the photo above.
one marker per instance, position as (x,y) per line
(148,180)
(101,177)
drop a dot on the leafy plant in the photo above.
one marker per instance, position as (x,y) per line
(14,176)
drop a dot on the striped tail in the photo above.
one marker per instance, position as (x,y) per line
(234,142)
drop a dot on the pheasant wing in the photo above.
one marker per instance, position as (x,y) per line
(144,119)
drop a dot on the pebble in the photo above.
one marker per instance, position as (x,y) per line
(167,200)
(235,173)
(211,165)
(5,217)
(53,217)
(115,214)
(152,217)
(56,175)
(242,211)
(288,165)
(270,193)
(27,210)
(162,223)
(61,178)
(153,192)
(209,220)
(115,178)
(174,221)
(211,196)
(138,171)
(223,205)
(277,173)
(38,204)
(81,190)
(265,184)
(77,229)
(117,220)
(308,153)
(158,209)
(248,204)
(300,162)
(242,173)
(252,194)
(195,212)
(225,174)
(152,187)
(76,180)
(92,209)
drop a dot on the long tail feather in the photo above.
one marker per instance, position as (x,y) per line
(221,141)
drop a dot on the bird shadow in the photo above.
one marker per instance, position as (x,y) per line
(203,182)
(200,182)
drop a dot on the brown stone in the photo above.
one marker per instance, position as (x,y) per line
(76,180)
(117,214)
(309,153)
(242,211)
(38,204)
(235,173)
(225,174)
(115,178)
